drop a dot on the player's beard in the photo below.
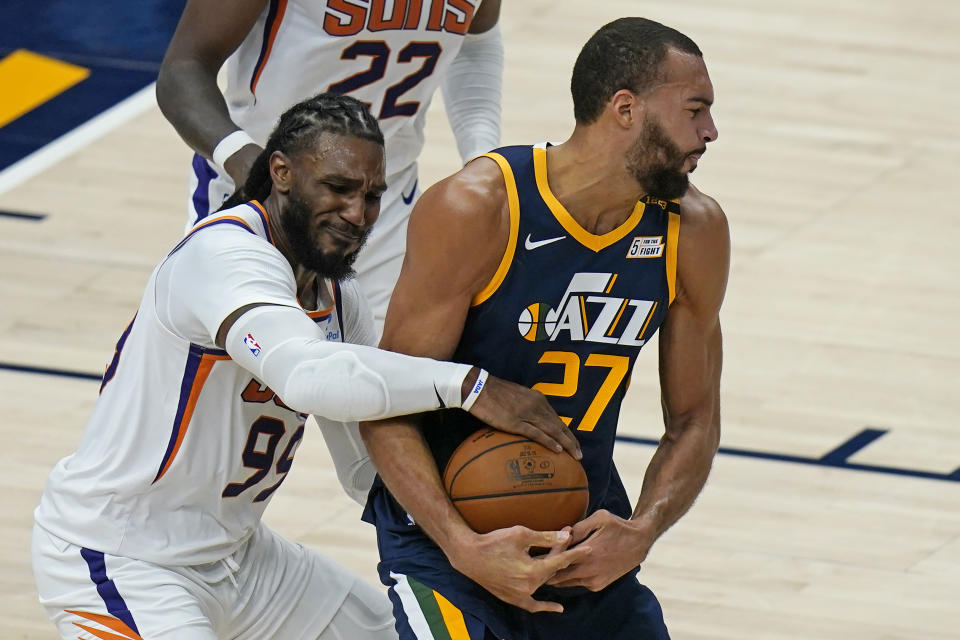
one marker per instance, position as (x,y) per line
(656,162)
(296,222)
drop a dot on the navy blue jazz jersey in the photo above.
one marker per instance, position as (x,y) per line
(566,313)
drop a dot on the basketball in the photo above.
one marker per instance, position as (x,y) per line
(498,480)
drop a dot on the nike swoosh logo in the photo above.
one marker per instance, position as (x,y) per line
(443,405)
(530,245)
(409,199)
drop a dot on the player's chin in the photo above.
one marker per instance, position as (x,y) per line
(339,247)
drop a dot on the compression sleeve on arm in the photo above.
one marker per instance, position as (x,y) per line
(286,351)
(472,90)
(355,470)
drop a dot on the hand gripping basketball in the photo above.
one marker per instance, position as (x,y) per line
(513,408)
(501,563)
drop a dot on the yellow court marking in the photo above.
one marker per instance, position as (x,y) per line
(27,80)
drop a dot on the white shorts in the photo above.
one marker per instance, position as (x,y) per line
(269,588)
(379,262)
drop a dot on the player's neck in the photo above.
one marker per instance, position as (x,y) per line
(310,291)
(277,233)
(590,178)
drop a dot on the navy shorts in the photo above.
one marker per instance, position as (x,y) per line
(433,601)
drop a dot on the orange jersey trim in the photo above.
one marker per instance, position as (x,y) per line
(266,218)
(513,201)
(207,360)
(673,237)
(567,221)
(108,621)
(274,18)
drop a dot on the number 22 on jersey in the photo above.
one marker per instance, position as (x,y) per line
(379,53)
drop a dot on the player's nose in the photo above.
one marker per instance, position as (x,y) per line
(354,210)
(709,132)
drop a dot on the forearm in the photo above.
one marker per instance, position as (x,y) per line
(283,348)
(190,99)
(472,93)
(407,467)
(676,473)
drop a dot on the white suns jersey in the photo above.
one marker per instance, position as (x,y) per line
(390,54)
(185,448)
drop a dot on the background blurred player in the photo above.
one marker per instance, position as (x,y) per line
(152,527)
(556,265)
(282,51)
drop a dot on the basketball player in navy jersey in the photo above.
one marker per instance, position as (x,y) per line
(555,265)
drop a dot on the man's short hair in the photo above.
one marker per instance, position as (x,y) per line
(624,54)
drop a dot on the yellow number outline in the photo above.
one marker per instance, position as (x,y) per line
(618,366)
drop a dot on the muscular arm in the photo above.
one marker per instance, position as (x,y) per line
(187,89)
(426,317)
(691,356)
(690,361)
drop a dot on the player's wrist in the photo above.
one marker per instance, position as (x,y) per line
(644,532)
(472,386)
(229,147)
(461,544)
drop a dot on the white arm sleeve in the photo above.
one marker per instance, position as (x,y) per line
(285,350)
(472,88)
(355,470)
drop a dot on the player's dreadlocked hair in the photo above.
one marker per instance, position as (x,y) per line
(298,130)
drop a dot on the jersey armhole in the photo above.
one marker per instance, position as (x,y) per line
(673,236)
(513,201)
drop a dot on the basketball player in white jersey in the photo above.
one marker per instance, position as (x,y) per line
(152,529)
(391,55)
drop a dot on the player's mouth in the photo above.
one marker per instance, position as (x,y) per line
(694,158)
(344,235)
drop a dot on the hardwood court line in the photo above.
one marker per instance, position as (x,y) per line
(95,128)
(46,371)
(18,215)
(836,458)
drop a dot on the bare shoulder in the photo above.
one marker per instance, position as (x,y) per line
(701,214)
(458,232)
(459,210)
(703,260)
(475,194)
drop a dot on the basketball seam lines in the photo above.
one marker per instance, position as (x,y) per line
(519,493)
(485,451)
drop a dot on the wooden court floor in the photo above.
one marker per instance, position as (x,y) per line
(833,510)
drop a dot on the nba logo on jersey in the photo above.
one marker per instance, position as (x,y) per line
(252,345)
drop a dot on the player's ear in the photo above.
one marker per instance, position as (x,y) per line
(626,107)
(281,172)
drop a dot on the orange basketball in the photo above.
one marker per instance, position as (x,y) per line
(498,480)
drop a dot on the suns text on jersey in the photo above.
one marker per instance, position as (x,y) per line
(348,18)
